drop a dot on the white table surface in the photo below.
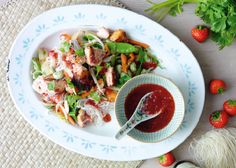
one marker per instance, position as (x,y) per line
(214,64)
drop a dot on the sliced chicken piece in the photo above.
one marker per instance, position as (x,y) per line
(103,33)
(83,118)
(80,71)
(110,77)
(57,97)
(94,56)
(118,36)
(59,86)
(40,85)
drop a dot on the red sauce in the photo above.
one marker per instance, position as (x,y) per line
(107,118)
(161,99)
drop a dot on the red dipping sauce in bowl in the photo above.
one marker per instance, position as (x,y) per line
(160,98)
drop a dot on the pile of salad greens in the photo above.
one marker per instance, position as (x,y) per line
(84,73)
(219,15)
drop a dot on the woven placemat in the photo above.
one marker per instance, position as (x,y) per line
(20,144)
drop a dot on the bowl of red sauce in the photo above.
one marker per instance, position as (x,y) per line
(165,96)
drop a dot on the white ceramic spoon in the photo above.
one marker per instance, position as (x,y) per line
(137,117)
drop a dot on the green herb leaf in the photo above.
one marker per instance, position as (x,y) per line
(97,45)
(142,57)
(51,85)
(36,74)
(73,114)
(123,78)
(95,96)
(87,38)
(65,47)
(98,69)
(36,64)
(69,82)
(62,49)
(80,52)
(72,100)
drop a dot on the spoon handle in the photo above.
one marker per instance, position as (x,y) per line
(128,126)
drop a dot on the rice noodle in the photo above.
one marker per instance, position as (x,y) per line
(95,81)
(216,149)
(94,113)
(106,106)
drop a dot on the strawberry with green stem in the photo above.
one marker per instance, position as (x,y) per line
(200,33)
(166,159)
(218,119)
(230,107)
(217,86)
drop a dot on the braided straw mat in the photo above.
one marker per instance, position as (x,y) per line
(21,145)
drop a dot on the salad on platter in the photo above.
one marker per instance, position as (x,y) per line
(79,79)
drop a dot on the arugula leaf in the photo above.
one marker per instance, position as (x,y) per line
(51,85)
(95,96)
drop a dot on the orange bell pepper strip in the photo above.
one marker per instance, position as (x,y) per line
(138,43)
(124,66)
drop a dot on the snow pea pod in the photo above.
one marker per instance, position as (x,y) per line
(120,47)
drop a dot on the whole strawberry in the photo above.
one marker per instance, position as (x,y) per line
(200,33)
(218,119)
(166,159)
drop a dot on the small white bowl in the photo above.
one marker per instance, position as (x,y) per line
(176,120)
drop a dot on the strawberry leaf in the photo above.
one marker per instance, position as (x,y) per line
(231,102)
(220,90)
(216,116)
